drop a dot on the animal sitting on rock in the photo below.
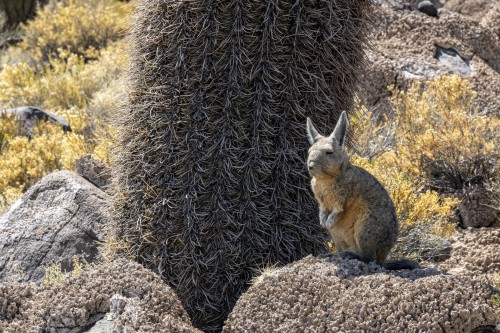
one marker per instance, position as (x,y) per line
(355,208)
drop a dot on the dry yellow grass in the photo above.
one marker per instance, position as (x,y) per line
(70,64)
(435,121)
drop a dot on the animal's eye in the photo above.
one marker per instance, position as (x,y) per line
(329,152)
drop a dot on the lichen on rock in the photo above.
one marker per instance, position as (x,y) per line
(80,301)
(475,252)
(337,295)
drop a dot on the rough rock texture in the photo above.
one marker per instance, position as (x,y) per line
(422,243)
(133,314)
(211,161)
(478,208)
(487,12)
(315,295)
(94,171)
(61,216)
(28,116)
(79,302)
(492,19)
(475,252)
(410,45)
(475,9)
(105,325)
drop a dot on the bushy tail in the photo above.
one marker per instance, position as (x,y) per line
(400,264)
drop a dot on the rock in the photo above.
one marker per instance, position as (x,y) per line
(428,8)
(451,59)
(475,252)
(492,19)
(83,303)
(336,295)
(105,325)
(29,115)
(423,243)
(477,208)
(61,216)
(94,171)
(475,9)
(408,46)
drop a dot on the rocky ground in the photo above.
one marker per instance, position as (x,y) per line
(409,44)
(65,215)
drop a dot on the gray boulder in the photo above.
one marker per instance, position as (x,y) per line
(61,216)
(427,7)
(95,171)
(105,325)
(409,46)
(29,115)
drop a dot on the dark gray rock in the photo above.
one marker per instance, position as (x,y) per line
(425,244)
(29,115)
(478,208)
(61,216)
(428,8)
(105,325)
(94,171)
(452,59)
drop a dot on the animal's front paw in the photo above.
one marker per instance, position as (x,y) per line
(332,219)
(323,216)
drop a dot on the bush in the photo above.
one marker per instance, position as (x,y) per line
(439,123)
(81,27)
(429,151)
(24,161)
(69,84)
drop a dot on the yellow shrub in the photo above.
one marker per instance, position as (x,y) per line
(81,27)
(74,74)
(55,275)
(437,122)
(24,161)
(67,86)
(432,121)
(413,206)
(64,83)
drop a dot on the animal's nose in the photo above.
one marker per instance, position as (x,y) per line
(310,166)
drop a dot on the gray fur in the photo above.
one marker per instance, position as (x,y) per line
(353,205)
(340,130)
(312,133)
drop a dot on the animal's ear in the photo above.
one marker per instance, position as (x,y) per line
(340,130)
(312,134)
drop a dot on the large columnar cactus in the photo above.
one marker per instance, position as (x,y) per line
(17,11)
(211,163)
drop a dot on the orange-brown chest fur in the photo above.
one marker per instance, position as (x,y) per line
(322,188)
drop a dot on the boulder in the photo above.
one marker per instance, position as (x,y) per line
(408,46)
(477,208)
(60,217)
(427,7)
(28,116)
(87,303)
(95,171)
(337,295)
(475,252)
(105,325)
(475,9)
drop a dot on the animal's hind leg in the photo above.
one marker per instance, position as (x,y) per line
(382,255)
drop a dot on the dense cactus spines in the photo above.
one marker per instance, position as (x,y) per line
(211,163)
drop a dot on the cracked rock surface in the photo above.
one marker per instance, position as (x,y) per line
(409,45)
(79,303)
(475,252)
(61,216)
(338,295)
